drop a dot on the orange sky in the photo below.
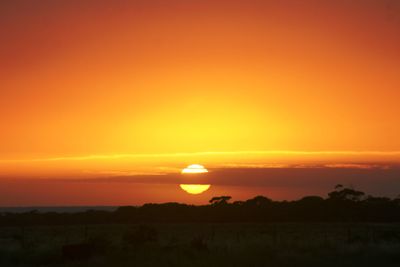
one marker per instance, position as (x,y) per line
(106,78)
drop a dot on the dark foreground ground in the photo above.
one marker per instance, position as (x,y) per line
(283,244)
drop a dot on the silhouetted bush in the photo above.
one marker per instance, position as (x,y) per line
(341,205)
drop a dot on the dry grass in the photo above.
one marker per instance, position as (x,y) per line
(206,245)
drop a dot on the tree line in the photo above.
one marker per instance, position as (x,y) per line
(344,204)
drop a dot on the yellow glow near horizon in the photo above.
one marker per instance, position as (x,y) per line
(194,168)
(195,188)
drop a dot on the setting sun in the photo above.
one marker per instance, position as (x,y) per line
(195,188)
(195,168)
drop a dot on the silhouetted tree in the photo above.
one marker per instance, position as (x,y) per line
(342,205)
(311,199)
(258,201)
(338,187)
(220,200)
(343,193)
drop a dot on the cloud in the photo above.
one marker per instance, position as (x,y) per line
(382,179)
(242,183)
(259,153)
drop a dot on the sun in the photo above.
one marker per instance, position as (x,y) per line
(194,189)
(194,168)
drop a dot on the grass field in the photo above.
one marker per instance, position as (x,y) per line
(280,244)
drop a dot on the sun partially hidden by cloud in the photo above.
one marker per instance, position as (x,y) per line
(195,188)
(194,168)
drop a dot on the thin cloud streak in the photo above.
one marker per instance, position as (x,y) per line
(209,153)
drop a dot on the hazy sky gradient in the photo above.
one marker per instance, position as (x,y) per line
(82,82)
(111,77)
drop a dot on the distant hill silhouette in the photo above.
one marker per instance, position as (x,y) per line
(342,205)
